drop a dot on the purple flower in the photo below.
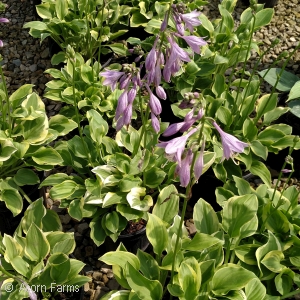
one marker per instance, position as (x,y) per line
(173,128)
(191,19)
(4,20)
(127,114)
(184,170)
(131,95)
(178,52)
(155,105)
(1,43)
(194,42)
(151,58)
(111,78)
(154,102)
(286,171)
(198,168)
(120,123)
(189,120)
(175,57)
(230,144)
(155,123)
(160,92)
(175,147)
(124,81)
(122,104)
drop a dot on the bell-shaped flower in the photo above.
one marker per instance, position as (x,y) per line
(155,123)
(176,146)
(191,20)
(4,20)
(111,78)
(184,170)
(151,58)
(230,144)
(122,104)
(189,120)
(160,92)
(124,81)
(131,95)
(120,123)
(199,163)
(127,114)
(194,42)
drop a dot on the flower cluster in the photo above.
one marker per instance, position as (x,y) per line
(164,60)
(175,149)
(3,20)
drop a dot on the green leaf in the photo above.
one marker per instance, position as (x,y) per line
(201,241)
(20,265)
(54,179)
(284,281)
(145,289)
(13,201)
(138,19)
(98,126)
(189,277)
(38,25)
(59,267)
(7,149)
(295,91)
(242,185)
(222,282)
(121,258)
(237,212)
(263,17)
(149,266)
(36,244)
(44,10)
(46,156)
(34,214)
(265,104)
(154,228)
(259,169)
(51,221)
(66,246)
(246,253)
(154,177)
(167,204)
(255,290)
(249,130)
(259,149)
(295,107)
(275,114)
(63,190)
(58,58)
(26,177)
(61,8)
(62,125)
(272,244)
(272,261)
(224,115)
(97,234)
(119,49)
(286,80)
(205,218)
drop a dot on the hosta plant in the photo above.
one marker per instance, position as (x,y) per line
(25,133)
(248,250)
(34,262)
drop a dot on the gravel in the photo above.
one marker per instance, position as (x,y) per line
(25,61)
